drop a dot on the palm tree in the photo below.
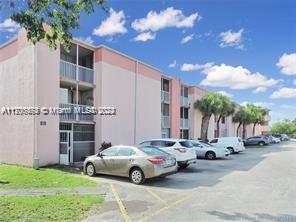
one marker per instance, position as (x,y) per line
(258,113)
(227,109)
(242,117)
(209,104)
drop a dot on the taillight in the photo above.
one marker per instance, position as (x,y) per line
(156,160)
(181,150)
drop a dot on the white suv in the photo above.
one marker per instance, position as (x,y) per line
(180,148)
(233,144)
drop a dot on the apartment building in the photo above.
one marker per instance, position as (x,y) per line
(148,104)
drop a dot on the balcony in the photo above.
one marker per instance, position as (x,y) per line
(165,97)
(69,70)
(165,122)
(184,123)
(184,101)
(74,112)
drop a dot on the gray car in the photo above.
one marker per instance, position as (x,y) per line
(137,163)
(257,140)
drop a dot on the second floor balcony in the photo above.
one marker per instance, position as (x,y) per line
(184,101)
(184,123)
(75,72)
(75,112)
(165,122)
(165,97)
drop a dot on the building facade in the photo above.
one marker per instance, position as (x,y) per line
(148,104)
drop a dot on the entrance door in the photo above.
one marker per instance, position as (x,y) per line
(66,147)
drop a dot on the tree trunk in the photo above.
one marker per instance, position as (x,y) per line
(218,127)
(204,127)
(239,125)
(254,128)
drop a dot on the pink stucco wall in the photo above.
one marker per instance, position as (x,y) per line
(175,91)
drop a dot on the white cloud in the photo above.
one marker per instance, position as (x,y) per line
(112,25)
(145,36)
(261,104)
(187,39)
(187,67)
(87,39)
(173,64)
(9,25)
(225,94)
(232,39)
(284,93)
(260,89)
(287,63)
(235,78)
(169,17)
(285,106)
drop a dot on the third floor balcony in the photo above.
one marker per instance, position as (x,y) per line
(165,97)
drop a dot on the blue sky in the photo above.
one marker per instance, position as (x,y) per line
(244,48)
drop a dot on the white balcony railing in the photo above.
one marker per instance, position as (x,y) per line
(69,70)
(184,101)
(165,121)
(74,112)
(165,96)
(184,123)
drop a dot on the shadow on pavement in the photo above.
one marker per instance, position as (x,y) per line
(257,217)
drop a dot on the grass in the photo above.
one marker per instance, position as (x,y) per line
(22,177)
(47,208)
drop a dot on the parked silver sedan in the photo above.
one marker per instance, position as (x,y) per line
(208,151)
(137,163)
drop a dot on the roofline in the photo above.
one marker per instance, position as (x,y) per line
(8,42)
(127,56)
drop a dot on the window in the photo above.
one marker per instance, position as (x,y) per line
(184,91)
(146,143)
(165,109)
(165,85)
(214,141)
(223,120)
(158,143)
(126,151)
(196,144)
(184,134)
(184,113)
(187,144)
(169,143)
(112,151)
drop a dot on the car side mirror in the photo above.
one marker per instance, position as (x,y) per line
(100,155)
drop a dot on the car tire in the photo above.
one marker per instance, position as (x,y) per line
(210,155)
(90,170)
(261,143)
(137,176)
(183,165)
(231,150)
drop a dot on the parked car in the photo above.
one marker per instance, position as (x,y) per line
(282,137)
(137,163)
(269,137)
(275,139)
(233,144)
(180,148)
(208,151)
(257,140)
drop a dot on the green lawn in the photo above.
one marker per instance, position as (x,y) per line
(23,177)
(47,208)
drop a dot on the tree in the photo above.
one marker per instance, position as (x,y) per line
(60,15)
(257,115)
(284,127)
(209,104)
(242,117)
(227,109)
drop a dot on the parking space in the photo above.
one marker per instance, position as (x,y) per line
(256,185)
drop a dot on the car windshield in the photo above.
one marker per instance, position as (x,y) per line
(152,151)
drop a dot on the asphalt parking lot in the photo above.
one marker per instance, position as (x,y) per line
(256,185)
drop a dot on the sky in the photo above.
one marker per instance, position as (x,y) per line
(243,49)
